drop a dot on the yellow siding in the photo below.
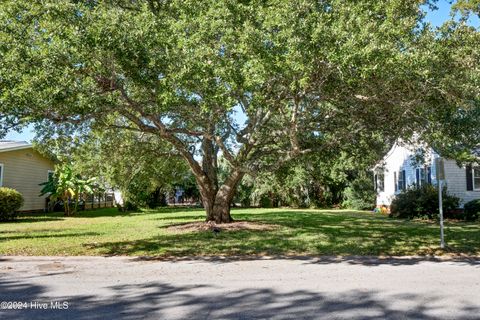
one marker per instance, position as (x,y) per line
(24,170)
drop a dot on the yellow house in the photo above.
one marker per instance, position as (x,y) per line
(23,169)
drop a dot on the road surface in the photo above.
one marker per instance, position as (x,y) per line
(256,288)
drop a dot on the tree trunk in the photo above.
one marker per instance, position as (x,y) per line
(217,204)
(218,210)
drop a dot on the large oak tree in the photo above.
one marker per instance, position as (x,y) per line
(258,82)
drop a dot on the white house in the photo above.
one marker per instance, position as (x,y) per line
(405,165)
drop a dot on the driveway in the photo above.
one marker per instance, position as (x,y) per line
(294,288)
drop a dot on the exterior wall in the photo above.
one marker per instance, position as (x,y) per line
(24,170)
(456,180)
(392,163)
(401,158)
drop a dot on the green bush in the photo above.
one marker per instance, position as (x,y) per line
(156,199)
(265,202)
(471,210)
(421,202)
(10,201)
(360,194)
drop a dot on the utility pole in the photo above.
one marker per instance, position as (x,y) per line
(440,209)
(440,168)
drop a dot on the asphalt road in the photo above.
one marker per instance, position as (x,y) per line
(301,288)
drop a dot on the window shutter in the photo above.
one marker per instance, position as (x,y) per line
(375,180)
(404,182)
(469,177)
(417,176)
(429,175)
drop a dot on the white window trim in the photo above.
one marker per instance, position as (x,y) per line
(1,174)
(475,188)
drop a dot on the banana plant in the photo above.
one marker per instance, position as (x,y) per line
(67,186)
(82,189)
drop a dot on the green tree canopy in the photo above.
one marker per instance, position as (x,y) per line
(136,164)
(307,76)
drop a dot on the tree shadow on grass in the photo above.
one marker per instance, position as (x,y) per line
(105,212)
(302,234)
(359,227)
(32,218)
(59,234)
(158,300)
(165,212)
(90,213)
(187,219)
(267,243)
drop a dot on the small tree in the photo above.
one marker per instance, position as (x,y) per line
(360,193)
(67,187)
(82,189)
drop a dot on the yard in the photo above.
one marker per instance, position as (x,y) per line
(280,232)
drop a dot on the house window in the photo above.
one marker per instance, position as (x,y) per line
(380,182)
(423,176)
(401,180)
(1,174)
(476,178)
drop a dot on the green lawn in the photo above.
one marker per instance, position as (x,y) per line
(298,232)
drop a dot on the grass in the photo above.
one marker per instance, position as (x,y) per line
(298,232)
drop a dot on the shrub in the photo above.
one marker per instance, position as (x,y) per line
(127,206)
(10,201)
(360,194)
(471,210)
(421,202)
(156,199)
(265,202)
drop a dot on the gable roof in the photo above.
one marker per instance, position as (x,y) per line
(10,145)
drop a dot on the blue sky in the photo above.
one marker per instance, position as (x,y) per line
(436,18)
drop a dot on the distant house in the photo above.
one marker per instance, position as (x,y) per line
(23,169)
(401,168)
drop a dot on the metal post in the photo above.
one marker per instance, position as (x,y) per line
(440,207)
